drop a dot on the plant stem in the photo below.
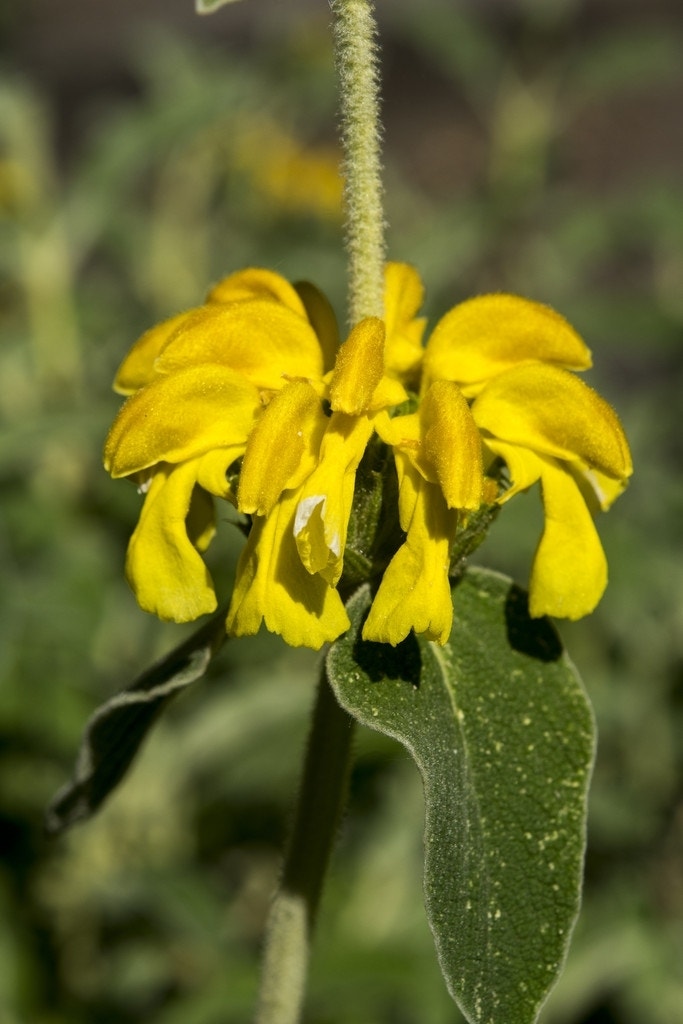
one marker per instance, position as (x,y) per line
(318,812)
(326,766)
(356,58)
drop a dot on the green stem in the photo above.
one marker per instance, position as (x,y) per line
(318,812)
(356,58)
(326,767)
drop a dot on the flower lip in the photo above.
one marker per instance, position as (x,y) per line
(259,338)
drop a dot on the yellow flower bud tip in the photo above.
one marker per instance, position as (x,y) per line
(281,448)
(359,368)
(452,444)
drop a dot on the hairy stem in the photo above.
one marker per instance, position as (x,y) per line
(357,68)
(326,767)
(318,812)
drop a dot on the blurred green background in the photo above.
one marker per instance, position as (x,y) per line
(531,145)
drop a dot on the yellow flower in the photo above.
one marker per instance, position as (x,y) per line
(297,479)
(254,387)
(199,383)
(513,357)
(247,376)
(438,458)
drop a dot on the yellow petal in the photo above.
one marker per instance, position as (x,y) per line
(179,417)
(163,566)
(409,485)
(442,442)
(569,573)
(321,316)
(325,500)
(212,470)
(599,489)
(415,592)
(137,369)
(452,444)
(491,333)
(388,393)
(554,413)
(272,586)
(403,432)
(403,296)
(282,449)
(262,339)
(256,283)
(359,368)
(201,519)
(524,467)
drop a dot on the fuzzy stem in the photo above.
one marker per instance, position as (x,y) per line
(326,767)
(357,69)
(319,808)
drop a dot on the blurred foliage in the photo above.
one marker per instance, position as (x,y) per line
(154,911)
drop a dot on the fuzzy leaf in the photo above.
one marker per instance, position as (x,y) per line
(502,733)
(118,728)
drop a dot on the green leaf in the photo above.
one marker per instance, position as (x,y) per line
(503,735)
(118,728)
(209,6)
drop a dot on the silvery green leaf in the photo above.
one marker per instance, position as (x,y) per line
(501,730)
(118,728)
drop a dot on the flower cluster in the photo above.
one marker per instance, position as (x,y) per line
(254,387)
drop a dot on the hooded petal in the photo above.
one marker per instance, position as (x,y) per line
(569,574)
(554,413)
(272,586)
(403,296)
(163,566)
(179,417)
(487,335)
(452,444)
(321,316)
(259,338)
(256,283)
(324,503)
(282,449)
(138,369)
(442,442)
(415,591)
(359,368)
